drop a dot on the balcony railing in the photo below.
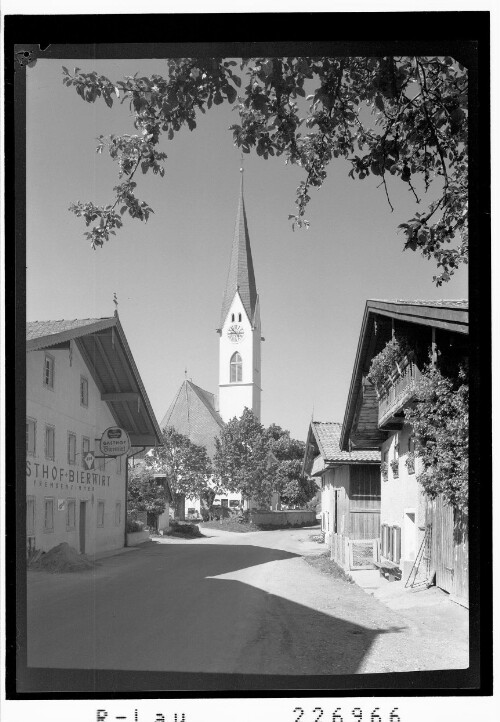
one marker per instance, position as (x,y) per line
(397,392)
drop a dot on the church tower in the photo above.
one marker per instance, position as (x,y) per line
(240,339)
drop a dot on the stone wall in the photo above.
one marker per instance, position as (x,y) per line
(290,517)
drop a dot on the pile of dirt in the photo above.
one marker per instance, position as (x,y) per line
(62,558)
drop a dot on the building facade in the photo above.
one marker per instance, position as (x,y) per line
(434,332)
(81,380)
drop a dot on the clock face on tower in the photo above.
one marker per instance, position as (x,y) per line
(235,333)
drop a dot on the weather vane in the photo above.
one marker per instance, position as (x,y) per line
(115,301)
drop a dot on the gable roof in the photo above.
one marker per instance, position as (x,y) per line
(240,276)
(323,439)
(445,314)
(192,413)
(106,353)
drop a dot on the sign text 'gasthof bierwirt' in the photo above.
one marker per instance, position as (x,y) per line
(115,441)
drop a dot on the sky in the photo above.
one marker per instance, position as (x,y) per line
(169,274)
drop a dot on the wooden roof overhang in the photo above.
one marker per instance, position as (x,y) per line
(360,427)
(106,353)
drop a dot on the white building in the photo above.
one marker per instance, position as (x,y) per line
(81,379)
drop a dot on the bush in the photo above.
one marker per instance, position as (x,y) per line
(218,512)
(133,525)
(184,530)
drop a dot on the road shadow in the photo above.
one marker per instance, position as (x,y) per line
(155,620)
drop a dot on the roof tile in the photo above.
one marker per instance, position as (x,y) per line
(327,434)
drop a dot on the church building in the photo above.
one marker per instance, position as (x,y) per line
(200,414)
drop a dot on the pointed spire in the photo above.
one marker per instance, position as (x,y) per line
(241,275)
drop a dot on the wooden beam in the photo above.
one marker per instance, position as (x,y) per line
(143,439)
(120,396)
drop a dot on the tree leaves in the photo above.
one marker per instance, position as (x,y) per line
(417,128)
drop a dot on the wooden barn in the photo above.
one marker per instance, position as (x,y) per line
(350,495)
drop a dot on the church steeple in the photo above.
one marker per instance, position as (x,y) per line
(240,275)
(240,339)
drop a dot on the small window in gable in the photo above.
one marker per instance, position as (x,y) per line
(232,317)
(84,391)
(236,368)
(239,317)
(48,371)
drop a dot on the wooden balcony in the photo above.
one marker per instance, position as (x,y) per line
(395,395)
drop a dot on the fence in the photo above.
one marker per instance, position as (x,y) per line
(353,554)
(449,549)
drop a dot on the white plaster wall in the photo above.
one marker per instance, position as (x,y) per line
(57,478)
(402,495)
(327,504)
(234,398)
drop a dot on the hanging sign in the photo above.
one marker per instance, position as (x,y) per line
(88,460)
(115,441)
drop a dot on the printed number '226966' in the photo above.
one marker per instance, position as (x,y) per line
(318,714)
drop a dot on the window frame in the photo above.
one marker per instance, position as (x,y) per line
(71,435)
(52,366)
(99,523)
(84,450)
(28,420)
(52,428)
(84,384)
(47,499)
(69,502)
(236,365)
(30,530)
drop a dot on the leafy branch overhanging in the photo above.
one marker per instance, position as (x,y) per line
(404,117)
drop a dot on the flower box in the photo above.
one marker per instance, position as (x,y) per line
(395,468)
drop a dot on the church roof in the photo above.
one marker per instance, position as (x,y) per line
(240,276)
(192,413)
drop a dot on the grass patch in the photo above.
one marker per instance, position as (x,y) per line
(325,565)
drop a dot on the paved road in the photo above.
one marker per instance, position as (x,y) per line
(231,603)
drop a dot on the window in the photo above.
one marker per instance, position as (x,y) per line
(84,391)
(71,448)
(232,317)
(118,513)
(30,515)
(71,514)
(118,464)
(50,434)
(31,437)
(100,513)
(48,523)
(239,317)
(85,449)
(48,371)
(234,503)
(236,368)
(224,502)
